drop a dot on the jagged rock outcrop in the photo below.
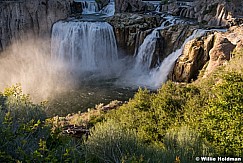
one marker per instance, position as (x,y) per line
(130,28)
(220,53)
(28,18)
(194,56)
(208,53)
(173,38)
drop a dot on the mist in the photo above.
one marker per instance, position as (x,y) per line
(29,63)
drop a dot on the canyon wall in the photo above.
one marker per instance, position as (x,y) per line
(30,18)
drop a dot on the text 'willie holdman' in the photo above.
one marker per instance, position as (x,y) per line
(220,159)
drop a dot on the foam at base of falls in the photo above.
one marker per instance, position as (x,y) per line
(85,46)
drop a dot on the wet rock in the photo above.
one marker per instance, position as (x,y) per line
(174,37)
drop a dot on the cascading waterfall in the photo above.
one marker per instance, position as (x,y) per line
(159,76)
(145,51)
(89,7)
(108,10)
(86,46)
(153,78)
(144,57)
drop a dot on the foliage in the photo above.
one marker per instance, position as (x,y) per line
(110,142)
(174,124)
(24,134)
(222,119)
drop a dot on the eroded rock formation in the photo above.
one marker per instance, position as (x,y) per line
(28,18)
(194,56)
(210,52)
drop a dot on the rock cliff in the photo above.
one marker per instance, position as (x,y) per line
(208,53)
(28,18)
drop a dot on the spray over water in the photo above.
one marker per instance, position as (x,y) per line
(31,66)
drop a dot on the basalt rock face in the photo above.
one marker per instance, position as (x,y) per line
(170,39)
(173,38)
(131,29)
(220,53)
(28,18)
(102,3)
(129,6)
(224,45)
(208,53)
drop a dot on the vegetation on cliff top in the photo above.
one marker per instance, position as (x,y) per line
(177,123)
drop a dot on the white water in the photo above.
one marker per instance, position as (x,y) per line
(108,10)
(146,50)
(159,76)
(91,7)
(155,77)
(85,46)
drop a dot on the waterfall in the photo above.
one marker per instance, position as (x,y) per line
(145,52)
(86,46)
(89,7)
(153,78)
(159,76)
(108,10)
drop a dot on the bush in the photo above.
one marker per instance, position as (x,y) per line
(222,119)
(26,137)
(110,142)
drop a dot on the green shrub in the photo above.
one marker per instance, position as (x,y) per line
(110,142)
(25,137)
(222,119)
